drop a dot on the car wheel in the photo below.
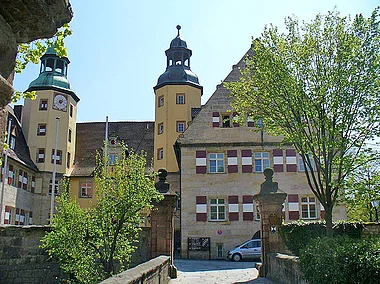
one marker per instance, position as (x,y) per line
(236,257)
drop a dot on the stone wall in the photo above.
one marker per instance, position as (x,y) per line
(371,229)
(284,269)
(21,258)
(155,271)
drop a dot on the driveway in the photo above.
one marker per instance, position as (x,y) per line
(216,271)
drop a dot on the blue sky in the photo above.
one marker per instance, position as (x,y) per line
(117,51)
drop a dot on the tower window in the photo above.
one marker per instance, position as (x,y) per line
(40,156)
(71,110)
(68,160)
(160,153)
(181,126)
(160,128)
(41,130)
(180,99)
(160,101)
(12,143)
(69,135)
(58,157)
(43,104)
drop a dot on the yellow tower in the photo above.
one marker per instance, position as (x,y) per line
(55,99)
(177,97)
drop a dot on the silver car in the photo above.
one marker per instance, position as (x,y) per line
(247,250)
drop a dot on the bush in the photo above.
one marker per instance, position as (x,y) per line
(298,234)
(341,260)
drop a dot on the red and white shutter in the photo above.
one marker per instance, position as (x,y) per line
(10,174)
(30,218)
(200,162)
(33,186)
(291,160)
(215,119)
(246,161)
(17,220)
(201,208)
(235,123)
(293,206)
(248,207)
(232,161)
(7,217)
(278,161)
(233,208)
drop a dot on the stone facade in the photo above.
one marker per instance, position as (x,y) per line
(155,271)
(221,169)
(21,258)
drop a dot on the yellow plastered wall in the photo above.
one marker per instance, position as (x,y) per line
(33,116)
(169,114)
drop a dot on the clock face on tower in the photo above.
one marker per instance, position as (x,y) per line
(60,102)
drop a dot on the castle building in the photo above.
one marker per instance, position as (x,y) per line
(214,164)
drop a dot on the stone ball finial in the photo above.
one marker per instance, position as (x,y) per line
(268,173)
(268,186)
(178,28)
(162,174)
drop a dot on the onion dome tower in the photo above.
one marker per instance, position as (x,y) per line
(177,92)
(54,98)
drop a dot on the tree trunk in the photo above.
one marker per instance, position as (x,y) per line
(329,223)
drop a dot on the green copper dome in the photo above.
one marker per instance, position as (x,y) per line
(178,65)
(53,74)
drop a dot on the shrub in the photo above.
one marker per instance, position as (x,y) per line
(298,234)
(341,260)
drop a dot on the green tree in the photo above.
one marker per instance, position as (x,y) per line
(318,85)
(362,187)
(94,243)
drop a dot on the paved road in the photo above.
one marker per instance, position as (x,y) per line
(216,272)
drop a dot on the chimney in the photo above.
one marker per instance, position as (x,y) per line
(18,110)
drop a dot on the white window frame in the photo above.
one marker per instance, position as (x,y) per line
(301,164)
(264,161)
(181,126)
(160,128)
(219,166)
(160,154)
(226,119)
(257,212)
(43,104)
(307,203)
(180,99)
(161,101)
(12,143)
(41,129)
(84,190)
(218,204)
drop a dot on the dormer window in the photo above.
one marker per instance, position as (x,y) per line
(226,121)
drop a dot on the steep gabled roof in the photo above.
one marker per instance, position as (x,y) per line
(90,139)
(201,132)
(21,152)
